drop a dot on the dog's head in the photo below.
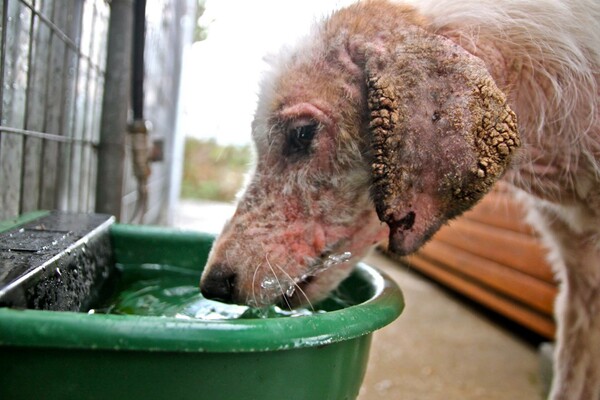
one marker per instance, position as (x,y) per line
(367,130)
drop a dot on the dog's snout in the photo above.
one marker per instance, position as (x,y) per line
(218,283)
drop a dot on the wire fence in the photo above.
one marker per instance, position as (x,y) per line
(52,55)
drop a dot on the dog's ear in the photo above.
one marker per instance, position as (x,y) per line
(441,134)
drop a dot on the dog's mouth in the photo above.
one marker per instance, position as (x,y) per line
(298,293)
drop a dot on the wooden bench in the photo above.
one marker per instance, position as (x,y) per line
(491,256)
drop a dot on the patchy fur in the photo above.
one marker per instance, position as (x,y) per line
(403,114)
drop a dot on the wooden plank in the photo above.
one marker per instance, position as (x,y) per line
(88,167)
(14,93)
(89,82)
(78,196)
(69,25)
(89,201)
(36,94)
(526,317)
(514,249)
(11,147)
(499,209)
(97,46)
(532,292)
(54,107)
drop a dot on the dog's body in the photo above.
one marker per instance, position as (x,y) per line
(405,115)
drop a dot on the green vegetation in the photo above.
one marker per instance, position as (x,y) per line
(213,172)
(201,29)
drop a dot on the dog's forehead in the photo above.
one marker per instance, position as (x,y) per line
(311,88)
(324,70)
(315,81)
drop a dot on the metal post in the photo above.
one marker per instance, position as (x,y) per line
(115,106)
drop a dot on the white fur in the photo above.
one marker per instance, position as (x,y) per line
(558,40)
(556,100)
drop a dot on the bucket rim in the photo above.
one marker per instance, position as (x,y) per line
(60,329)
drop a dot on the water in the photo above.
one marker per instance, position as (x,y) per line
(273,286)
(332,260)
(159,290)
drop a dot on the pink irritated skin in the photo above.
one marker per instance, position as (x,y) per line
(292,216)
(300,207)
(287,247)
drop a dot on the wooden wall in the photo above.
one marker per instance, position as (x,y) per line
(491,256)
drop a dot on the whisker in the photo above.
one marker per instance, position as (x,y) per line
(297,287)
(278,283)
(254,286)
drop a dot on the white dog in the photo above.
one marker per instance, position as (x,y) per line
(388,120)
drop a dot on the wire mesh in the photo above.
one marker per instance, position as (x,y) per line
(52,55)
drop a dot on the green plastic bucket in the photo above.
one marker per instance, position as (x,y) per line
(70,355)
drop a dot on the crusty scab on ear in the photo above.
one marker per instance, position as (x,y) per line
(441,135)
(496,136)
(384,115)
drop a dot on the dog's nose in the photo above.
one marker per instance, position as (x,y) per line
(218,283)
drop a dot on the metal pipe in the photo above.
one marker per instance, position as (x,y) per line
(138,129)
(139,44)
(115,107)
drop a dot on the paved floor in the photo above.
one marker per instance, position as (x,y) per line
(441,348)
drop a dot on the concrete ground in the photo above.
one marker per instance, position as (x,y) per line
(440,348)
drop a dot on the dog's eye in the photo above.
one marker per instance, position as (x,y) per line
(299,138)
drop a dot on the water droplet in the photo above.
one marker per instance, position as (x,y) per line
(335,259)
(290,290)
(269,283)
(330,261)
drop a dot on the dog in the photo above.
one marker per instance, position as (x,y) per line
(388,120)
